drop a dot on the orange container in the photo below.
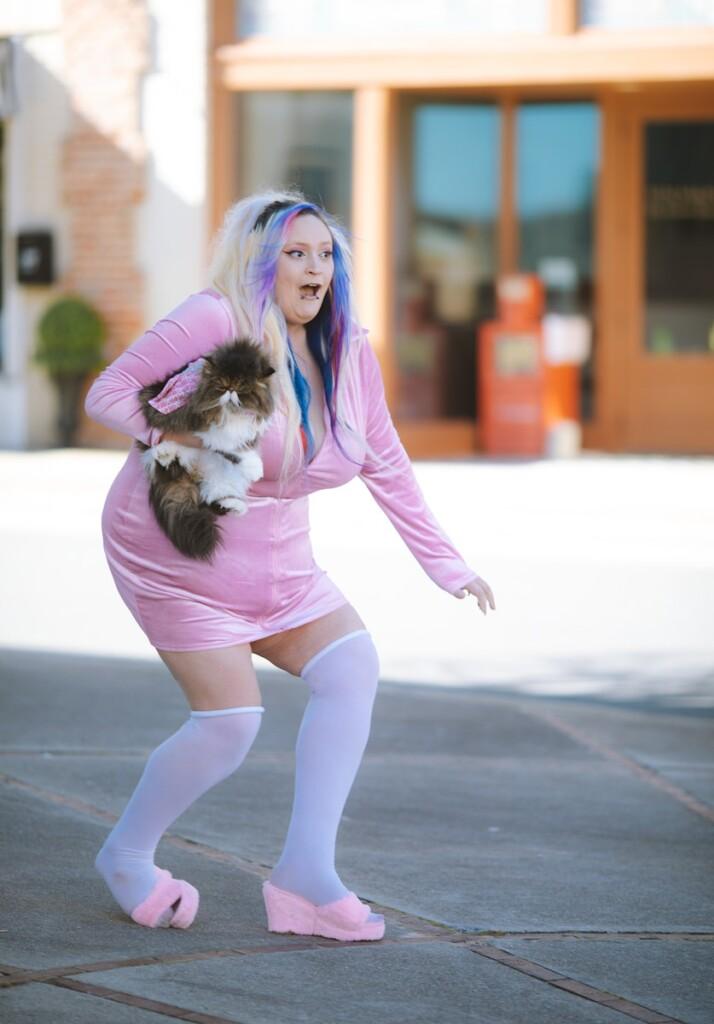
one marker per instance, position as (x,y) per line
(512,370)
(562,393)
(520,298)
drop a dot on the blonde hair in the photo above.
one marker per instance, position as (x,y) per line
(238,252)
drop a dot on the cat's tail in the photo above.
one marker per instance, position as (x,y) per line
(191,526)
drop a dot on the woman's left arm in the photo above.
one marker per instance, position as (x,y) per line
(396,490)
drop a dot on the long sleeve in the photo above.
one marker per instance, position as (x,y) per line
(192,329)
(395,489)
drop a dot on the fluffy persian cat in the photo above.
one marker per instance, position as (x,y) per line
(226,400)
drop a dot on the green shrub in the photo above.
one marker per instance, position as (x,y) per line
(71,336)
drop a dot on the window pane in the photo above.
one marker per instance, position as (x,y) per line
(557,163)
(646,13)
(448,256)
(679,237)
(298,139)
(371,20)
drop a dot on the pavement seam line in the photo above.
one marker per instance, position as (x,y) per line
(492,935)
(489,951)
(196,847)
(12,976)
(564,983)
(634,767)
(98,814)
(253,868)
(91,810)
(141,1003)
(73,803)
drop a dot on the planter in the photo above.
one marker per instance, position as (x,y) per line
(70,341)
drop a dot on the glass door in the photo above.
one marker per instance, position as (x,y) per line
(670,383)
(461,190)
(557,167)
(448,205)
(678,237)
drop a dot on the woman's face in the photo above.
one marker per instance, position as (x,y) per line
(305,269)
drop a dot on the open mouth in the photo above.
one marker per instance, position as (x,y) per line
(310,291)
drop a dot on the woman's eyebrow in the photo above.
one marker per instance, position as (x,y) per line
(307,244)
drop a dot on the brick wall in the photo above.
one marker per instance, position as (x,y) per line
(103,167)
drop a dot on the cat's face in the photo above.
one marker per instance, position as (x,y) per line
(304,270)
(236,378)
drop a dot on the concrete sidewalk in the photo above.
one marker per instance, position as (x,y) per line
(533,814)
(538,860)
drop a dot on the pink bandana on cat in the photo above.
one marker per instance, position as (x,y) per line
(178,389)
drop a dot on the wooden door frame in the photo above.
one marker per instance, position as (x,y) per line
(643,373)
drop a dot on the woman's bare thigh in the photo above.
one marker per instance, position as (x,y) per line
(293,648)
(212,680)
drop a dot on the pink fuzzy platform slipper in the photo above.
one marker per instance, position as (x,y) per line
(155,911)
(344,919)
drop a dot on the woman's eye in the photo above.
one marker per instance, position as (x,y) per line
(299,252)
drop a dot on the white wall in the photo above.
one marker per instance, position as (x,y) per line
(32,200)
(172,222)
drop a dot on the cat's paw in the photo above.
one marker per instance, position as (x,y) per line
(165,452)
(251,466)
(235,505)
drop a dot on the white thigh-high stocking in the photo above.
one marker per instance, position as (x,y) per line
(333,734)
(207,748)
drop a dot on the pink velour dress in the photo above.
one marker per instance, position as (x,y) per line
(263,578)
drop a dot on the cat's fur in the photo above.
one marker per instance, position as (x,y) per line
(229,411)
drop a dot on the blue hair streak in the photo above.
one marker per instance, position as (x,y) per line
(328,335)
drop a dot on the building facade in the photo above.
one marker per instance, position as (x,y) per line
(458,140)
(463,140)
(104,149)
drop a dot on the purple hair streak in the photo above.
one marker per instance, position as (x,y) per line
(328,335)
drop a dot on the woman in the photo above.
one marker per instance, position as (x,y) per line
(281,274)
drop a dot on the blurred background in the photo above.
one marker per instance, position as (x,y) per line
(459,141)
(529,188)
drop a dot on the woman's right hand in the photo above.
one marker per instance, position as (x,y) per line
(481,591)
(188,332)
(187,439)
